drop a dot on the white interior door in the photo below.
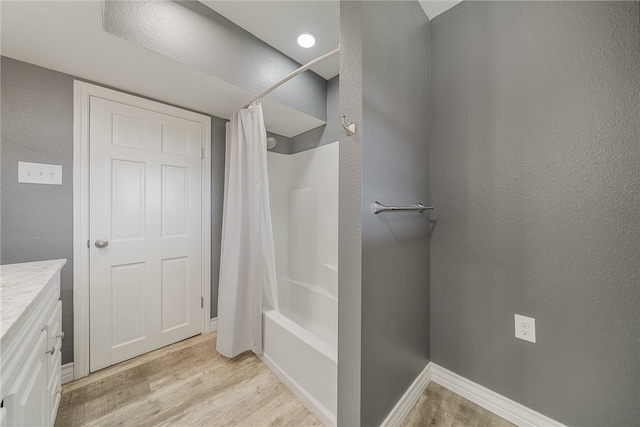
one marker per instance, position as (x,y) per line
(145,231)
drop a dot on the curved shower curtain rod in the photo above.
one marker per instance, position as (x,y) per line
(292,75)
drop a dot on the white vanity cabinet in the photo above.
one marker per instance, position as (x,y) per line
(30,357)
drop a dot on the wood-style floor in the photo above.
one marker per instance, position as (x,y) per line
(190,384)
(439,406)
(185,384)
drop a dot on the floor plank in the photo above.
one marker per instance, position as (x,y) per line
(441,407)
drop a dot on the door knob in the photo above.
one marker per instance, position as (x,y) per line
(102,243)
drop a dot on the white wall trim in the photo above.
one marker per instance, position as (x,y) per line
(80,230)
(409,399)
(213,325)
(490,400)
(82,92)
(206,225)
(67,373)
(481,396)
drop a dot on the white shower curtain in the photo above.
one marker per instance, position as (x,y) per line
(247,261)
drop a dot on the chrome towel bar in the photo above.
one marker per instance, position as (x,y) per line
(378,207)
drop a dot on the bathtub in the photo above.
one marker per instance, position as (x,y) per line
(300,345)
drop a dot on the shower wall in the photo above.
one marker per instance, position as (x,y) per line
(304,208)
(383,342)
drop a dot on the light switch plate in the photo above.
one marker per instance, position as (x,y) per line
(39,173)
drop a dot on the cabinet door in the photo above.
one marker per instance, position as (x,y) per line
(54,332)
(54,393)
(54,387)
(28,404)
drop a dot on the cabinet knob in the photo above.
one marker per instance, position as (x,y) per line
(50,351)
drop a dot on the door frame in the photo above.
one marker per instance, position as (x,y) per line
(82,92)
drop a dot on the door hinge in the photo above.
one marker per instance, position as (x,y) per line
(202,152)
(201,302)
(88,245)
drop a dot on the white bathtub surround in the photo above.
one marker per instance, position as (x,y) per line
(329,278)
(304,362)
(311,307)
(304,206)
(300,341)
(247,261)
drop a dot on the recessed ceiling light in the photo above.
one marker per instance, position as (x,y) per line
(306,40)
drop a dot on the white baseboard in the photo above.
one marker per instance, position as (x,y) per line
(406,403)
(214,324)
(490,400)
(67,373)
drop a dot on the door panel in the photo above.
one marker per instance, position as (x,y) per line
(174,201)
(129,131)
(127,200)
(175,293)
(127,303)
(145,199)
(175,140)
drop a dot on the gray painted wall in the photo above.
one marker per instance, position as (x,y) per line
(207,41)
(350,218)
(395,170)
(535,179)
(324,134)
(284,144)
(384,259)
(36,220)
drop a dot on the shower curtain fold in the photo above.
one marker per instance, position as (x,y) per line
(247,261)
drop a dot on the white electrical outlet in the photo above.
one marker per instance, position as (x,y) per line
(525,328)
(39,173)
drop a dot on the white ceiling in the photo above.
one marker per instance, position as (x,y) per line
(278,23)
(67,36)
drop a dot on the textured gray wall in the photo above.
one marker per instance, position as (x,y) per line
(535,180)
(37,126)
(36,220)
(395,170)
(218,137)
(350,218)
(383,332)
(207,41)
(324,134)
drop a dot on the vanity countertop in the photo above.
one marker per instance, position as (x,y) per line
(20,286)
